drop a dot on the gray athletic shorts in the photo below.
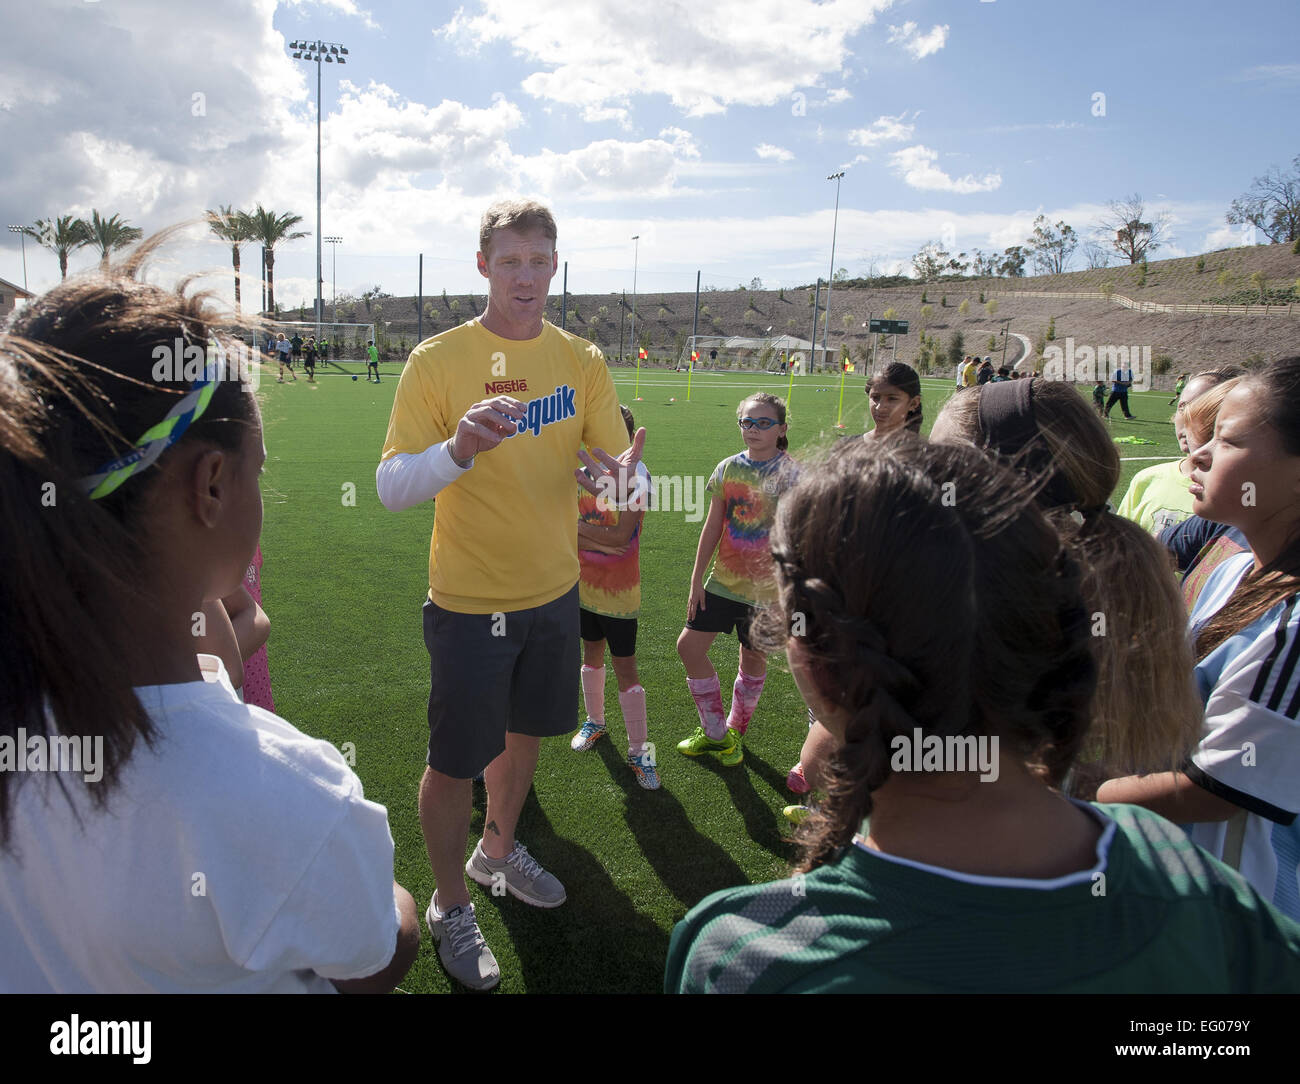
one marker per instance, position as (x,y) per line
(490,674)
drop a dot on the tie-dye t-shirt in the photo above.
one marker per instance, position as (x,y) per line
(743,568)
(610,584)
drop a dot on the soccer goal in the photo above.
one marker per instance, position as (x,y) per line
(776,354)
(342,342)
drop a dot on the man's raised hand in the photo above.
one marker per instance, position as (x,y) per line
(602,474)
(485,425)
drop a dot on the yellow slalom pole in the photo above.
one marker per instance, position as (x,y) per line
(637,390)
(690,372)
(839,414)
(789,392)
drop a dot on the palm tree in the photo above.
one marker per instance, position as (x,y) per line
(235,228)
(107,234)
(61,236)
(270,229)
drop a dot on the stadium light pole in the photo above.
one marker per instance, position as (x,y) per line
(826,327)
(334,242)
(636,252)
(330,52)
(22,238)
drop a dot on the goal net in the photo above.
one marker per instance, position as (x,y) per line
(777,354)
(340,342)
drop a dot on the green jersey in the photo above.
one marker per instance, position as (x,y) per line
(1156,914)
(373,352)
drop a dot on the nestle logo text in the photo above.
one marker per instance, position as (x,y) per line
(504,387)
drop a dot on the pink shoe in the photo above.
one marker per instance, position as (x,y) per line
(795,781)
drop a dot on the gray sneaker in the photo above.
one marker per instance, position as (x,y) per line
(461,947)
(519,873)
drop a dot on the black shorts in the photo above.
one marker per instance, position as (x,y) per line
(721,614)
(619,631)
(490,674)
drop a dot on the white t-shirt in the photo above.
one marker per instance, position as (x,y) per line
(237,855)
(1250,751)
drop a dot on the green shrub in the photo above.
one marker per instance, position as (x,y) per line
(964,307)
(1200,264)
(956,348)
(1051,330)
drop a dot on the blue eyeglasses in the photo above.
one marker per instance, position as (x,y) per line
(761,423)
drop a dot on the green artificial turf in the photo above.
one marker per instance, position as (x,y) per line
(343,583)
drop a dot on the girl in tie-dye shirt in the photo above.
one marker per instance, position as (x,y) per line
(745,489)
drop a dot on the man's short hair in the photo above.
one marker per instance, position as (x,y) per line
(523,215)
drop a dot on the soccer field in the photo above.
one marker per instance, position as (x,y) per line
(343,583)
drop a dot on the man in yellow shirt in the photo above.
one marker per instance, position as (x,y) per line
(488,419)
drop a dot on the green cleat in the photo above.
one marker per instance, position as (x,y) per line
(727,752)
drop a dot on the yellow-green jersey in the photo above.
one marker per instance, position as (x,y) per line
(504,535)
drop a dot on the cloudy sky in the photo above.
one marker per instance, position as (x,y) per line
(707,127)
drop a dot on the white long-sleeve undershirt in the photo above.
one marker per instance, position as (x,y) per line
(407,479)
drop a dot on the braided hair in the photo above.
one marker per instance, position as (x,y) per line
(929,593)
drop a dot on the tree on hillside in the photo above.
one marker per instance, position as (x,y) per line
(376,292)
(1095,255)
(1272,204)
(984,264)
(1012,264)
(61,236)
(1128,232)
(929,263)
(1050,247)
(756,283)
(235,228)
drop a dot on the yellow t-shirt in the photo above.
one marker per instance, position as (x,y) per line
(504,536)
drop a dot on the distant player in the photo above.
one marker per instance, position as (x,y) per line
(309,358)
(372,352)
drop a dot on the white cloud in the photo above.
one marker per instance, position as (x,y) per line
(919,45)
(595,55)
(1283,75)
(839,94)
(604,170)
(682,141)
(916,166)
(343,7)
(1054,126)
(883,130)
(778,154)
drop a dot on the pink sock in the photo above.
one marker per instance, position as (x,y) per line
(744,699)
(707,693)
(593,693)
(634,718)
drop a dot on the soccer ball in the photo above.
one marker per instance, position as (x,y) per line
(673,399)
(354,378)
